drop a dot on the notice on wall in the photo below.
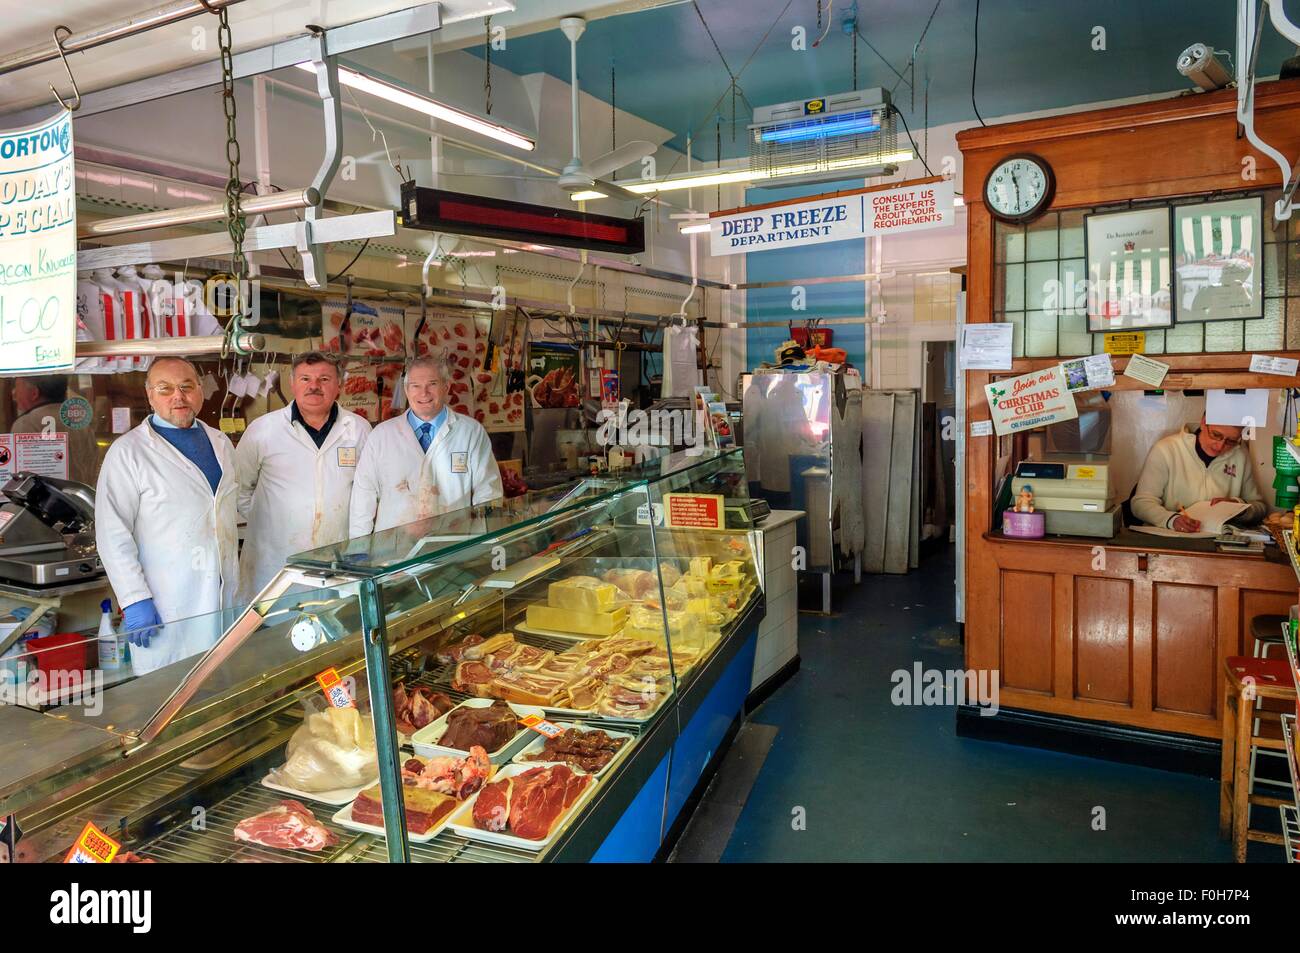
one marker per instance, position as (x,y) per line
(1237,408)
(38,248)
(696,510)
(987,347)
(1089,373)
(39,453)
(858,214)
(1268,364)
(1030,400)
(1149,372)
(1125,342)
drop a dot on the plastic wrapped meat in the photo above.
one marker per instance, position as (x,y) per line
(331,749)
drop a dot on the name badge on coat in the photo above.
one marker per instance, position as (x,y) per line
(347,456)
(460,461)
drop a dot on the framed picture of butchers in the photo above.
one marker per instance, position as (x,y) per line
(1217,247)
(1130,269)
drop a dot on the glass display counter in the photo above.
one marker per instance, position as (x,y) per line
(496,683)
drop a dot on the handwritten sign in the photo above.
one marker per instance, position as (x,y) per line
(38,248)
(335,689)
(836,218)
(541,726)
(1030,400)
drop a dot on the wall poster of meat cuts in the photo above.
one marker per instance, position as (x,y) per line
(374,329)
(361,391)
(553,374)
(475,388)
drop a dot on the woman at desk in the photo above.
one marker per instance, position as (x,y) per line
(1186,468)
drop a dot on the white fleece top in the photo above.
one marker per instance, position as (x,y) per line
(1174,476)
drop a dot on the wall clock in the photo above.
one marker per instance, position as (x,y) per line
(1019,188)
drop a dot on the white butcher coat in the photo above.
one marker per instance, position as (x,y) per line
(294,496)
(163,535)
(396,483)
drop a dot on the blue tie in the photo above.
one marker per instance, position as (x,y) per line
(425,436)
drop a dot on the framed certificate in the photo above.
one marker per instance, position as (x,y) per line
(1217,248)
(1130,269)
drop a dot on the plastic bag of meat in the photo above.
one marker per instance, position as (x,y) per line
(289,826)
(331,749)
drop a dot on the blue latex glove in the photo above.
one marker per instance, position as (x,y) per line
(141,618)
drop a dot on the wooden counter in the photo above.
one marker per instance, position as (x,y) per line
(1117,632)
(1134,630)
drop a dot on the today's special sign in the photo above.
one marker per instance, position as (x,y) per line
(858,214)
(1030,400)
(38,247)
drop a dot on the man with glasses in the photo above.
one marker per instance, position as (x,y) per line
(1186,468)
(165,522)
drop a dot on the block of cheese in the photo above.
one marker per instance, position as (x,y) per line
(575,620)
(647,623)
(693,586)
(583,594)
(701,565)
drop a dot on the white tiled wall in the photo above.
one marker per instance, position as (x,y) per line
(778,634)
(918,308)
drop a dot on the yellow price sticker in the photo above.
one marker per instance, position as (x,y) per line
(92,846)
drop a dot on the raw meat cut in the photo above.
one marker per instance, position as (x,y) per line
(289,825)
(419,706)
(589,750)
(529,805)
(424,808)
(490,728)
(458,777)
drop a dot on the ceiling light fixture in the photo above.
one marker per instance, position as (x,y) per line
(587,196)
(848,125)
(694,229)
(707,179)
(401,96)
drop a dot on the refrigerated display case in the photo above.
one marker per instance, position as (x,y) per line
(587,605)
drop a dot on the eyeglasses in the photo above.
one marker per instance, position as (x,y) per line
(1227,442)
(166,390)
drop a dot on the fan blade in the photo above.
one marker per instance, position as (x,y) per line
(615,192)
(625,154)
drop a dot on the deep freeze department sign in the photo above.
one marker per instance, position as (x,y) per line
(38,247)
(860,213)
(1030,400)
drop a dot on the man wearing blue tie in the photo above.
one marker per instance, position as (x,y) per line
(426,462)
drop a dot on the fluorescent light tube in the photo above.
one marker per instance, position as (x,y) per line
(587,196)
(822,129)
(694,229)
(401,96)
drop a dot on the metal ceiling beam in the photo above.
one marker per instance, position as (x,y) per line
(132,25)
(342,228)
(340,39)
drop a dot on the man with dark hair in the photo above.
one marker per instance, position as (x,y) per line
(295,472)
(39,401)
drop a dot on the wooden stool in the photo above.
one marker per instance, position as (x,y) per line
(1269,678)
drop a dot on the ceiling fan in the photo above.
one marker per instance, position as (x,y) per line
(590,177)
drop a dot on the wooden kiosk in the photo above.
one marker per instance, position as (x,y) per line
(1141,643)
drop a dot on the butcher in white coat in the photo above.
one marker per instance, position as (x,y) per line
(295,473)
(165,522)
(428,461)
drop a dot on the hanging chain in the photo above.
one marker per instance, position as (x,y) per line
(819,14)
(718,129)
(234,216)
(487,59)
(855,56)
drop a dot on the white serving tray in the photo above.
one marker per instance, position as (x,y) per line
(344,819)
(335,797)
(540,744)
(425,741)
(461,820)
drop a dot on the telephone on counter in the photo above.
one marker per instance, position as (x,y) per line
(1234,542)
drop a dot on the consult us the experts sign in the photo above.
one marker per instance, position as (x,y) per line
(859,213)
(38,247)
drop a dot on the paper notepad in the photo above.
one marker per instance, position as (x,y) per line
(1211,517)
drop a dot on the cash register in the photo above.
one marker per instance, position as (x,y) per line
(1073,492)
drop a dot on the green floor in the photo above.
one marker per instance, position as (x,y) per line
(882,782)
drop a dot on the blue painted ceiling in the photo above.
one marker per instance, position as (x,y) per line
(1033,55)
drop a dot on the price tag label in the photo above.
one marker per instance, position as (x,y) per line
(92,846)
(541,726)
(336,691)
